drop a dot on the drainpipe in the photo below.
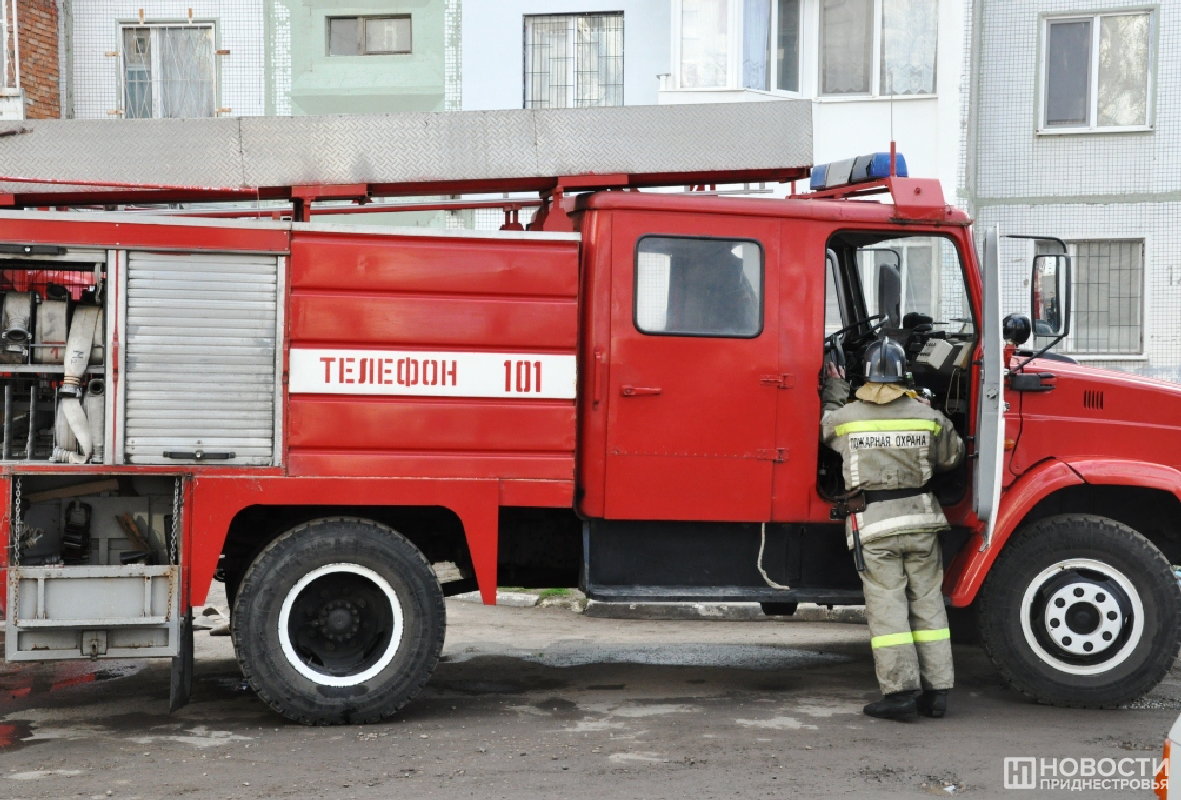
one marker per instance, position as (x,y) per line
(16,46)
(65,59)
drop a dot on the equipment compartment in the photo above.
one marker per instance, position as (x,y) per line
(95,567)
(53,338)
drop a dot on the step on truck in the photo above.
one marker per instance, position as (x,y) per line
(212,376)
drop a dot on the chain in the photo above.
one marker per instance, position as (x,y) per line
(18,527)
(173,546)
(173,549)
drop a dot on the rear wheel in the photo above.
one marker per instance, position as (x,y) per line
(1082,611)
(338,621)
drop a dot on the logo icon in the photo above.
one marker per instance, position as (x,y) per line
(1020,772)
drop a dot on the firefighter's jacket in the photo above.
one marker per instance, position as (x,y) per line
(895,445)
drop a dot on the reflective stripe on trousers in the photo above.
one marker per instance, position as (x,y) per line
(911,641)
(909,637)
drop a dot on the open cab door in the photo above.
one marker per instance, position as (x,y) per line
(990,428)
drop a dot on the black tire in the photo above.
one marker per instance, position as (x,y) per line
(364,622)
(1081,611)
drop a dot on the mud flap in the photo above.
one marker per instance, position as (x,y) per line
(182,664)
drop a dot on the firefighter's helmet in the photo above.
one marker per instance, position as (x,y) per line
(885,362)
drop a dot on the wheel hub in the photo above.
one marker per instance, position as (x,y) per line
(1083,617)
(339,620)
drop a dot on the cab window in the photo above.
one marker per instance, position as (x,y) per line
(694,286)
(915,277)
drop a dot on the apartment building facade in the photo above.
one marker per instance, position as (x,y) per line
(1071,129)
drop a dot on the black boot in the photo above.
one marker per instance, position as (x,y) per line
(933,703)
(895,705)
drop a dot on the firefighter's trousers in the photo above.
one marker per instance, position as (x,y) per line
(911,642)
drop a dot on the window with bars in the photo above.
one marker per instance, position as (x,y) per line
(369,36)
(169,71)
(1108,306)
(573,60)
(1097,72)
(878,47)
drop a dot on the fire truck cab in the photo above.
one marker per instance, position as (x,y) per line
(347,423)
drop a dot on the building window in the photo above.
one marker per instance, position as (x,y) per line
(369,36)
(705,44)
(769,37)
(1108,307)
(878,47)
(1097,72)
(771,45)
(574,60)
(169,71)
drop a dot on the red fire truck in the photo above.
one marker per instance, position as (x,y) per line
(348,423)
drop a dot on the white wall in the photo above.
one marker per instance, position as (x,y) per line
(493,47)
(927,128)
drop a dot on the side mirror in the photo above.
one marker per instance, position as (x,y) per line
(890,294)
(1050,296)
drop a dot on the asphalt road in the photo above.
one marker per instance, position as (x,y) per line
(544,702)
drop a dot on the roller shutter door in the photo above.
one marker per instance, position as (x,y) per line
(199,362)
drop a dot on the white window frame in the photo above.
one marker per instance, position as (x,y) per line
(1093,78)
(734,49)
(362,21)
(875,74)
(7,31)
(157,97)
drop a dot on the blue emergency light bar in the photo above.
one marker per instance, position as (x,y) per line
(857,170)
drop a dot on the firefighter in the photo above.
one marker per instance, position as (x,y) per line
(890,442)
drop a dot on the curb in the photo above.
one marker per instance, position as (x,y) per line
(681,611)
(503,598)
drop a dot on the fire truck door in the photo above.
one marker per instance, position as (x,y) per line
(990,427)
(691,394)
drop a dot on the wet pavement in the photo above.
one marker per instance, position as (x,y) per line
(533,701)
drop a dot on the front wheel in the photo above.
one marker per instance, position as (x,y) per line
(1081,611)
(338,621)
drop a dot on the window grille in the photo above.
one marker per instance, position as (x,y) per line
(573,61)
(1108,304)
(168,71)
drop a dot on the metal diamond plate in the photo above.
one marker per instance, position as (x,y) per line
(408,147)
